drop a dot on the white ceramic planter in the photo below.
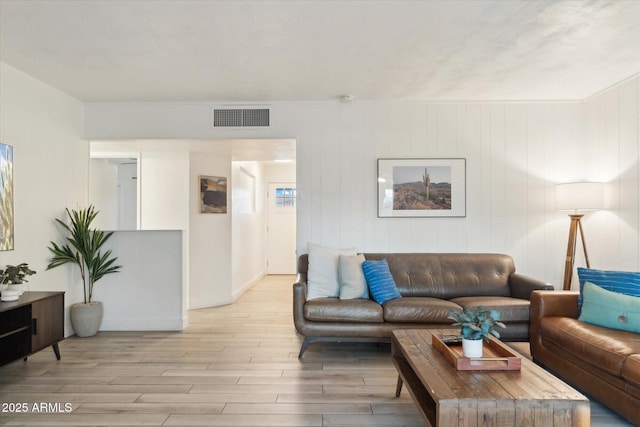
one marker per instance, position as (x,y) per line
(86,318)
(19,287)
(472,348)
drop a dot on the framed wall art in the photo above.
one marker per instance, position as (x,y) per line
(6,198)
(213,194)
(421,188)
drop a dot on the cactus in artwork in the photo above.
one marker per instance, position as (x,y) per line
(426,180)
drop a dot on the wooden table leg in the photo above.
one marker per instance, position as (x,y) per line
(399,386)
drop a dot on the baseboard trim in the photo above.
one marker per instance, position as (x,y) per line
(237,294)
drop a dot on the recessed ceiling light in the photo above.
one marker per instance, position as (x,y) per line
(346,99)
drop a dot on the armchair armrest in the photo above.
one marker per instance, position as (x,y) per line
(522,286)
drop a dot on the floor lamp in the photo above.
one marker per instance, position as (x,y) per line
(576,197)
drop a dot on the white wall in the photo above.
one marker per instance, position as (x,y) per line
(164,190)
(50,173)
(147,293)
(516,153)
(248,226)
(209,236)
(103,192)
(610,152)
(128,196)
(280,172)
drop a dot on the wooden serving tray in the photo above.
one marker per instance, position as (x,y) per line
(496,356)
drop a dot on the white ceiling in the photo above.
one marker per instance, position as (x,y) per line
(197,50)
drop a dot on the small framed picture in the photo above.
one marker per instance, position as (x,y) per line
(213,194)
(421,188)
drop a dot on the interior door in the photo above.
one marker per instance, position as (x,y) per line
(281,228)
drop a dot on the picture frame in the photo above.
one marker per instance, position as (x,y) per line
(6,198)
(410,188)
(213,194)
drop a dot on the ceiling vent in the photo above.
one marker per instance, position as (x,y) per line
(241,117)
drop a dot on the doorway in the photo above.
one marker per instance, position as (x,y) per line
(281,228)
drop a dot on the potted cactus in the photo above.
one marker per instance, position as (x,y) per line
(84,247)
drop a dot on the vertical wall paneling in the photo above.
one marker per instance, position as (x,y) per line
(462,147)
(497,188)
(348,171)
(611,121)
(536,207)
(381,149)
(304,177)
(431,150)
(611,162)
(516,153)
(484,206)
(553,222)
(446,133)
(628,193)
(471,149)
(516,188)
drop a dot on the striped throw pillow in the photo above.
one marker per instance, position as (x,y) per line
(382,287)
(622,282)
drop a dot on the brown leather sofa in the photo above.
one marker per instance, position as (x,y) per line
(431,285)
(601,362)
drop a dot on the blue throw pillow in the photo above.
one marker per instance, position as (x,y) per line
(380,281)
(610,309)
(622,282)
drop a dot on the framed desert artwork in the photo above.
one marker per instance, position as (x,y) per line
(6,197)
(213,194)
(421,188)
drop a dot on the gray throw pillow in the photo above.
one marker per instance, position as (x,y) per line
(352,282)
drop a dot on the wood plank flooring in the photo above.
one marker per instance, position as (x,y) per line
(234,365)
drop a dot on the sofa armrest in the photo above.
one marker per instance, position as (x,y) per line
(549,304)
(299,299)
(557,303)
(522,286)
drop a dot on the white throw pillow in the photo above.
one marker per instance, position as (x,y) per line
(352,282)
(322,275)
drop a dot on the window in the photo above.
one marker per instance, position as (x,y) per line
(286,197)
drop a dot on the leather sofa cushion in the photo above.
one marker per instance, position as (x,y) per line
(335,310)
(604,348)
(449,275)
(511,309)
(419,310)
(631,369)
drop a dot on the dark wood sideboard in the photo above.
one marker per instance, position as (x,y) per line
(30,324)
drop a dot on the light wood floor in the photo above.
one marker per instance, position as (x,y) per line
(235,365)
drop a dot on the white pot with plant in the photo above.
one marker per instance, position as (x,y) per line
(13,276)
(475,328)
(84,247)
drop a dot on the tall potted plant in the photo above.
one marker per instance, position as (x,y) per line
(83,247)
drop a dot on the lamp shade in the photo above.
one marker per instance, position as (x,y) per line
(580,196)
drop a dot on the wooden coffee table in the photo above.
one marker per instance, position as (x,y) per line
(448,397)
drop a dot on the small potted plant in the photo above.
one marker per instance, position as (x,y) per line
(475,327)
(14,276)
(83,247)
